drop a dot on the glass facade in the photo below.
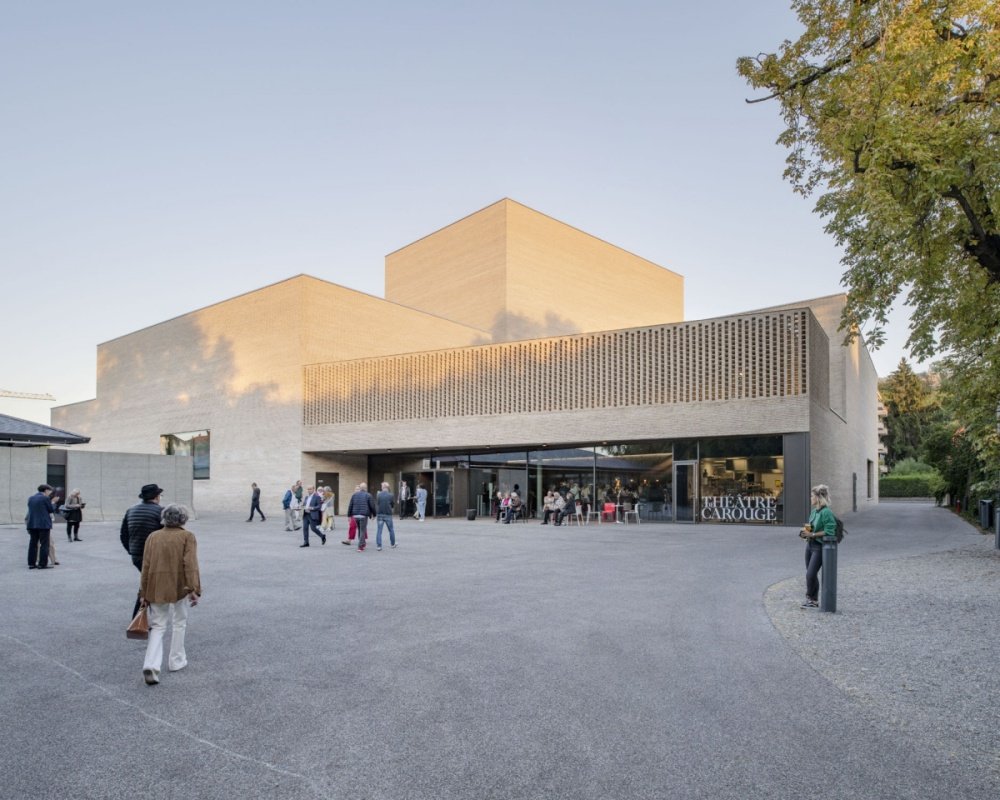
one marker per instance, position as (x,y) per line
(192,443)
(734,480)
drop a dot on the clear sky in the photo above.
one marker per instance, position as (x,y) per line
(160,157)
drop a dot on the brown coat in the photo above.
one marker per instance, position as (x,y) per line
(170,566)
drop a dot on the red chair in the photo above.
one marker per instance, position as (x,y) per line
(609,513)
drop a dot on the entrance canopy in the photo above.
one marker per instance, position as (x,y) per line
(16,432)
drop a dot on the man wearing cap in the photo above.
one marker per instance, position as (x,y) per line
(38,521)
(138,523)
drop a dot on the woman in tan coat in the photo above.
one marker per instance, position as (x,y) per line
(170,583)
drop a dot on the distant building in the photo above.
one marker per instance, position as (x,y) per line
(511,349)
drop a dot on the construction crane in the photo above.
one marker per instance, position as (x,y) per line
(26,395)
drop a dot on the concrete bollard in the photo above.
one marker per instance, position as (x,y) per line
(828,587)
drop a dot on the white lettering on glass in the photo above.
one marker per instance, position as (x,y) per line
(739,508)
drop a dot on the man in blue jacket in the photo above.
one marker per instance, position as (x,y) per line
(361,509)
(384,502)
(39,523)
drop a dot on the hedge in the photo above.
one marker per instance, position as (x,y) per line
(906,485)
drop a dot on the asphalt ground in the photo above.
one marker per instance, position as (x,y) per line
(474,661)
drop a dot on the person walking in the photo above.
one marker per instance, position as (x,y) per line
(327,509)
(421,502)
(38,522)
(361,509)
(138,523)
(255,502)
(297,503)
(352,524)
(404,498)
(310,516)
(73,514)
(384,502)
(821,523)
(170,584)
(286,505)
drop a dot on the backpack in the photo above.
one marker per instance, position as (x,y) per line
(841,530)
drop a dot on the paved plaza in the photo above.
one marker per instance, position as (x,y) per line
(479,661)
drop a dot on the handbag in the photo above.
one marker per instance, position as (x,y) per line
(139,626)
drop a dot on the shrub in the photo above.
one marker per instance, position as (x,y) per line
(910,466)
(908,485)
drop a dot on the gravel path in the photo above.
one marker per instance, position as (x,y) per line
(915,641)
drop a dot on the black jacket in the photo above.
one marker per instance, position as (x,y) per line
(139,521)
(362,505)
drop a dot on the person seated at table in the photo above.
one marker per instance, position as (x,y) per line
(568,509)
(503,503)
(548,506)
(514,507)
(558,504)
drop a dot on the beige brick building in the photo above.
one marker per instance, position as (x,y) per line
(511,349)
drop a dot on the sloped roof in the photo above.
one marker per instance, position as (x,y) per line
(24,433)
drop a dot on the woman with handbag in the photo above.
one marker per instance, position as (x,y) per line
(170,583)
(73,514)
(821,523)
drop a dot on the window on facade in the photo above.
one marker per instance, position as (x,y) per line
(871,479)
(742,480)
(193,443)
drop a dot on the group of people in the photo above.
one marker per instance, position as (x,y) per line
(42,505)
(509,506)
(313,508)
(161,549)
(166,554)
(557,506)
(419,501)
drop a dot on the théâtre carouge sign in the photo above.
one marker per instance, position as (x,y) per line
(739,508)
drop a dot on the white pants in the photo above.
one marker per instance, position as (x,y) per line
(160,615)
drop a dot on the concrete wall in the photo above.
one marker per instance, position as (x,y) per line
(235,369)
(109,483)
(522,275)
(22,469)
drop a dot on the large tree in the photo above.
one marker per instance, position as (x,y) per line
(912,408)
(892,114)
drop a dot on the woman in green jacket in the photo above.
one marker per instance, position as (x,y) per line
(821,523)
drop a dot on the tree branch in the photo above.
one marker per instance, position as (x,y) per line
(819,72)
(982,245)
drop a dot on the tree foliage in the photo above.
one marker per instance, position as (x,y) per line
(892,114)
(912,406)
(950,449)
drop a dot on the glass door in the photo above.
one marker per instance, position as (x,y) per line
(685,491)
(443,484)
